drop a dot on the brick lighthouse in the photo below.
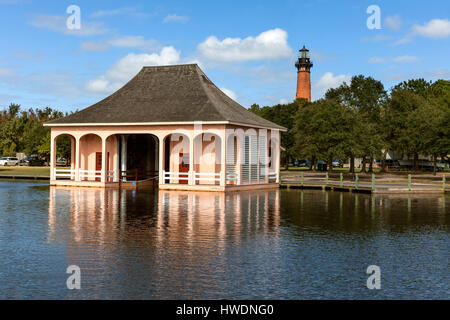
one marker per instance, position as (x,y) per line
(303,66)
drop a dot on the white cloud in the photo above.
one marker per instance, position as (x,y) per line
(327,81)
(131,42)
(271,44)
(377,60)
(405,39)
(435,29)
(267,74)
(405,59)
(393,22)
(377,38)
(394,77)
(439,74)
(176,18)
(427,75)
(28,55)
(129,66)
(59,24)
(116,12)
(102,85)
(399,59)
(6,72)
(122,42)
(229,93)
(94,46)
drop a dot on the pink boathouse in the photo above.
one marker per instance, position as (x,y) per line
(169,126)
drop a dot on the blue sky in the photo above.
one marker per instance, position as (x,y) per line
(248,48)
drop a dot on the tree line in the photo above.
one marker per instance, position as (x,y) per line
(23,131)
(361,119)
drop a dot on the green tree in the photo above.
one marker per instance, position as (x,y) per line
(323,129)
(44,146)
(23,130)
(406,127)
(366,97)
(283,115)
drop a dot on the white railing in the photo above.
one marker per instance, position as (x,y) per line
(180,176)
(90,173)
(213,177)
(96,174)
(110,174)
(273,176)
(64,173)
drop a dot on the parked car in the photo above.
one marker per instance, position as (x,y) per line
(31,161)
(303,163)
(62,162)
(9,161)
(336,163)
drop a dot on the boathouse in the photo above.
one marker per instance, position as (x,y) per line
(170,126)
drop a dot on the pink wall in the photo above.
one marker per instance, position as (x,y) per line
(91,143)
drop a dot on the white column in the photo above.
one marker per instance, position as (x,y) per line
(277,155)
(266,165)
(239,156)
(116,159)
(52,157)
(223,159)
(161,161)
(191,160)
(77,159)
(123,155)
(258,155)
(263,156)
(104,173)
(72,153)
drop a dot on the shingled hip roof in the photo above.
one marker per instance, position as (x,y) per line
(167,94)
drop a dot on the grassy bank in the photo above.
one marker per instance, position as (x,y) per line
(25,171)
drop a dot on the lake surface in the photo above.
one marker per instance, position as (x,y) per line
(287,244)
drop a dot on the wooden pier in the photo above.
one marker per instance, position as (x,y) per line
(366,183)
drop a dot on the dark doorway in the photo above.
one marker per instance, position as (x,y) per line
(142,155)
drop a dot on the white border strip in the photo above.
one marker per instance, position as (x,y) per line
(115,124)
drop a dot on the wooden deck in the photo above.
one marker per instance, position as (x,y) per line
(366,184)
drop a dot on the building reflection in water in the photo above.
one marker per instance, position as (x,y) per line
(201,245)
(166,236)
(111,214)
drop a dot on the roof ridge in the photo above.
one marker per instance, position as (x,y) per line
(207,93)
(170,66)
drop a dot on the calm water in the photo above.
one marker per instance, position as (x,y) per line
(250,245)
